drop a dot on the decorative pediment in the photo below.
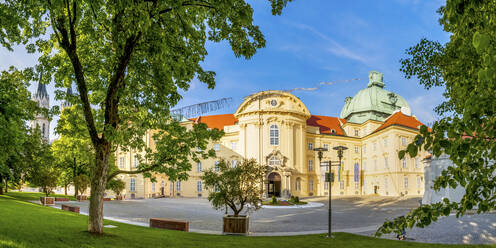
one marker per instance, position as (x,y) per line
(272,101)
(275,159)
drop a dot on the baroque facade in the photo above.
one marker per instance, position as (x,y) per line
(277,129)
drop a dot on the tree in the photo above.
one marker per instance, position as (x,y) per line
(42,171)
(73,150)
(116,185)
(237,187)
(16,109)
(128,60)
(466,68)
(83,182)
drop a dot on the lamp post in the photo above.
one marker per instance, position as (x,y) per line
(330,177)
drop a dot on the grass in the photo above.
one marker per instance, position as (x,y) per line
(24,224)
(35,196)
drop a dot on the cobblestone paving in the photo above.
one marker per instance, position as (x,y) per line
(361,215)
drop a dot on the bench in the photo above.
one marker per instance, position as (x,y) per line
(70,208)
(178,225)
(61,199)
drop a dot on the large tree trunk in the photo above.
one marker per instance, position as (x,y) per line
(98,183)
(65,189)
(6,186)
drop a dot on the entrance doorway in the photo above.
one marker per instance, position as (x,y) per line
(274,185)
(376,189)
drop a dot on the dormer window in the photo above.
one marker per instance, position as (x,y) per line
(273,102)
(333,131)
(356,132)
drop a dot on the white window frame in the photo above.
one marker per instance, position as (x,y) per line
(136,162)
(121,162)
(274,160)
(132,184)
(274,135)
(199,186)
(216,165)
(403,162)
(310,185)
(199,167)
(405,181)
(178,186)
(310,165)
(310,146)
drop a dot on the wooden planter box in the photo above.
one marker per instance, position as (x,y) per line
(81,198)
(178,225)
(107,199)
(119,198)
(61,199)
(70,208)
(47,201)
(236,225)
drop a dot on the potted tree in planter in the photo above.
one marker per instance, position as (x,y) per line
(235,187)
(117,186)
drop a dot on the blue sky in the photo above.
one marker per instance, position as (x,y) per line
(311,42)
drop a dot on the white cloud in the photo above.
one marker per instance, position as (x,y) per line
(334,47)
(423,106)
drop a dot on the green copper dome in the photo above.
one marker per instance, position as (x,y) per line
(372,103)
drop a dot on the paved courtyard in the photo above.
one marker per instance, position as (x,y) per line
(361,215)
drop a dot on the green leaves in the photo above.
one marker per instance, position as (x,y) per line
(481,41)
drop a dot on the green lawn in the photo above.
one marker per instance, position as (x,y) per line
(23,224)
(30,196)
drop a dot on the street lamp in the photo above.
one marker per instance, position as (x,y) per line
(329,176)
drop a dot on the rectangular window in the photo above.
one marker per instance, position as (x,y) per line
(341,185)
(310,185)
(386,165)
(234,163)
(417,163)
(310,165)
(199,186)
(357,149)
(356,132)
(153,187)
(178,186)
(199,167)
(406,182)
(403,161)
(274,135)
(385,143)
(310,146)
(233,146)
(326,146)
(403,141)
(121,162)
(217,147)
(216,165)
(418,182)
(132,185)
(136,162)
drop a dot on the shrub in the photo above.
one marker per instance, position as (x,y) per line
(274,200)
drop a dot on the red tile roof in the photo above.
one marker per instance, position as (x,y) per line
(400,119)
(326,124)
(216,121)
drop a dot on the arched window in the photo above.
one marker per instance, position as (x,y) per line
(274,135)
(274,160)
